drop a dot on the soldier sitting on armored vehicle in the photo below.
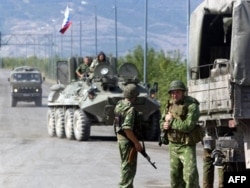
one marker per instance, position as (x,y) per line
(83,70)
(101,58)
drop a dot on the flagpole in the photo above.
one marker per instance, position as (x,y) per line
(95,31)
(188,20)
(81,37)
(116,52)
(145,43)
(71,40)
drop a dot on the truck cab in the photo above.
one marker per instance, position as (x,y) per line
(26,85)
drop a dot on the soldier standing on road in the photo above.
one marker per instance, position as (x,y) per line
(180,121)
(128,143)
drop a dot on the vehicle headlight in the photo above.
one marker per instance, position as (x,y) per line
(37,90)
(104,71)
(15,90)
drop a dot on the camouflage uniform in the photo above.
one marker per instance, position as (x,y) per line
(128,113)
(182,142)
(83,68)
(208,171)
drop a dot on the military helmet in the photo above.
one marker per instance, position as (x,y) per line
(176,85)
(130,91)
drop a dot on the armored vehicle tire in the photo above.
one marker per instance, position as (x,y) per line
(59,125)
(153,131)
(51,122)
(38,101)
(13,102)
(81,126)
(69,130)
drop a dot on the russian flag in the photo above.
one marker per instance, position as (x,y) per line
(66,22)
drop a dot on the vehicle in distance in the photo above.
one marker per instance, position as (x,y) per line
(26,85)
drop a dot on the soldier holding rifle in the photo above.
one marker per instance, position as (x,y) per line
(179,121)
(128,129)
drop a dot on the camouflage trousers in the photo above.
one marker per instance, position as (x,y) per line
(128,169)
(208,171)
(183,168)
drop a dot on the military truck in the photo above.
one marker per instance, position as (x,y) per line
(219,77)
(77,104)
(26,85)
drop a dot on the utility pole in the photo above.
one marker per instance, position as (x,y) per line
(145,43)
(116,52)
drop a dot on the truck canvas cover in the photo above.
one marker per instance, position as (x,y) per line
(231,19)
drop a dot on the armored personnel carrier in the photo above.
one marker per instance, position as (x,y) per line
(219,78)
(26,85)
(74,105)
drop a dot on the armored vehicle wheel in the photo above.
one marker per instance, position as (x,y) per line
(81,126)
(13,102)
(69,117)
(152,129)
(38,101)
(59,117)
(51,122)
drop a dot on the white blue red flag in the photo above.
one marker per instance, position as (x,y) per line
(67,21)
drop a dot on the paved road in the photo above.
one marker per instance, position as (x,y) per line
(29,158)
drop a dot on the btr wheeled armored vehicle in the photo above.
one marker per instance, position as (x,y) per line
(26,85)
(74,105)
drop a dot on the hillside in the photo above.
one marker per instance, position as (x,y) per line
(32,27)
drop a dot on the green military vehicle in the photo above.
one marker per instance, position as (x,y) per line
(26,85)
(219,78)
(75,105)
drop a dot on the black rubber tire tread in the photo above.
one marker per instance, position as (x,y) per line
(13,102)
(153,131)
(69,124)
(38,101)
(51,123)
(59,125)
(81,126)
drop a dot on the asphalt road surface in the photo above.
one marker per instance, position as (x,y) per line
(29,158)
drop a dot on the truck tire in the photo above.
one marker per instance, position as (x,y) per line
(81,126)
(151,130)
(13,102)
(38,101)
(51,122)
(59,125)
(69,129)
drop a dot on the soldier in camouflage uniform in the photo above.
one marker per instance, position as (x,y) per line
(127,141)
(83,69)
(180,119)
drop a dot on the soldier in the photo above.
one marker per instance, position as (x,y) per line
(180,119)
(101,58)
(128,143)
(83,69)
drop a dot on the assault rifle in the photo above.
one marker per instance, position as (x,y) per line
(118,129)
(163,138)
(144,154)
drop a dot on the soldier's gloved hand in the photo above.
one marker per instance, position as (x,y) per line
(168,119)
(138,147)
